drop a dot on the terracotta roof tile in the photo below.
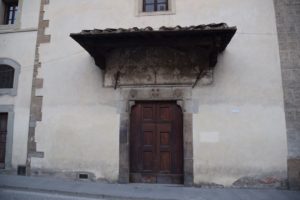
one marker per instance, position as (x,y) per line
(219,26)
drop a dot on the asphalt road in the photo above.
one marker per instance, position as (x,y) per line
(8,194)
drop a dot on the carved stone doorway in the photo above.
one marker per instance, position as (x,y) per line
(183,97)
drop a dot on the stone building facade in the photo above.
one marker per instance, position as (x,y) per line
(81,74)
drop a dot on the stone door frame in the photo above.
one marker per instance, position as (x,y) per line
(183,97)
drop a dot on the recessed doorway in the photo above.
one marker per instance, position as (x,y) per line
(156,142)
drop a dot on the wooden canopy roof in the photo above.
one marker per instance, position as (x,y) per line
(214,37)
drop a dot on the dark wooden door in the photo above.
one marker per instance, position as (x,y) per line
(156,143)
(3,133)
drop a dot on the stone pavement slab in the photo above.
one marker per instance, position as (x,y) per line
(139,191)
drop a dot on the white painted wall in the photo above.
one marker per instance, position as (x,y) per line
(24,55)
(243,110)
(240,128)
(20,46)
(30,13)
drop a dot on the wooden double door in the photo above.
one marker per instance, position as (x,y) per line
(156,143)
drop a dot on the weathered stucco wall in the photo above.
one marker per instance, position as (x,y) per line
(18,44)
(239,130)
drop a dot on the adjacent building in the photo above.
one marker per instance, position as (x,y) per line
(156,91)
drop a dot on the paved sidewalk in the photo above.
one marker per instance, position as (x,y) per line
(138,191)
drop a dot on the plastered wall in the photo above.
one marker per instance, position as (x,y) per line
(239,128)
(18,43)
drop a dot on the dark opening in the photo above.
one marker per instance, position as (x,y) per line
(6,76)
(10,13)
(83,176)
(21,170)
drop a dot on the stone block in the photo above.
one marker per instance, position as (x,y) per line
(124,164)
(188,172)
(44,24)
(46,2)
(44,39)
(124,127)
(36,154)
(294,173)
(39,83)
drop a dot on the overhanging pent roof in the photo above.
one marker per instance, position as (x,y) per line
(214,37)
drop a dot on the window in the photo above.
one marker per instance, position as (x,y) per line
(8,11)
(3,134)
(155,5)
(9,73)
(6,76)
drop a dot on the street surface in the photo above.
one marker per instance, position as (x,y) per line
(50,188)
(8,194)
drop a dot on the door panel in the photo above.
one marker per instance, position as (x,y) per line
(148,112)
(148,161)
(3,133)
(156,143)
(165,162)
(164,113)
(148,138)
(164,150)
(148,147)
(164,138)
